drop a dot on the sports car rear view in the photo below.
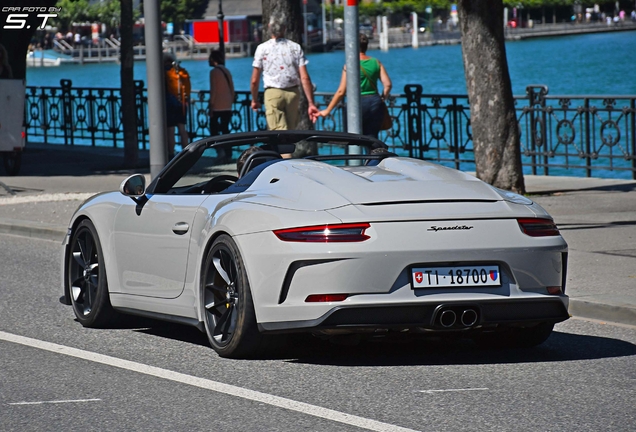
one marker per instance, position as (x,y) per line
(316,232)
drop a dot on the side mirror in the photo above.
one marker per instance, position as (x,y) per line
(134,186)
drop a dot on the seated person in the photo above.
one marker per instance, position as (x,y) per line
(243,157)
(249,159)
(378,151)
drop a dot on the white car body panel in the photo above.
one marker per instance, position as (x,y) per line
(362,268)
(153,270)
(151,258)
(317,184)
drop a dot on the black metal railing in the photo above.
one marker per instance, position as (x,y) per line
(84,116)
(560,135)
(586,134)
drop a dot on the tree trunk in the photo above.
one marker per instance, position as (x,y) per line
(496,139)
(16,41)
(128,109)
(293,11)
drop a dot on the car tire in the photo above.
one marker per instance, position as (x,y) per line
(86,276)
(516,337)
(227,307)
(12,162)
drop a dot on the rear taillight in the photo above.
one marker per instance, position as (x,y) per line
(535,227)
(319,298)
(325,233)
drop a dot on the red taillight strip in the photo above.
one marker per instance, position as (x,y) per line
(535,227)
(319,298)
(353,232)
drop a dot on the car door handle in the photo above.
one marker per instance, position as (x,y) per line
(180,228)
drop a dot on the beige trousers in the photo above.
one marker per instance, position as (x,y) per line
(281,108)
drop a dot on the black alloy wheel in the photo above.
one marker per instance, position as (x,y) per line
(226,301)
(86,277)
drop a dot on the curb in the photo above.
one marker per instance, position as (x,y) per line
(620,314)
(32,229)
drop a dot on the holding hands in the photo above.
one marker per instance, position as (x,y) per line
(313,112)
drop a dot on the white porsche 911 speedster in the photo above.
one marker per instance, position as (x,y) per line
(348,238)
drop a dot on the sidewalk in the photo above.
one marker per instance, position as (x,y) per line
(597,217)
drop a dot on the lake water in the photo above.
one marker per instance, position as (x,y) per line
(593,64)
(601,63)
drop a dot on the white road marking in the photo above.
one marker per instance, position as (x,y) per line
(277,401)
(453,390)
(54,402)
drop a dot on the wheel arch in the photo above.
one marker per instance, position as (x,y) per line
(202,259)
(209,244)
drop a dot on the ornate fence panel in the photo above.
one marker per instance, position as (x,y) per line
(562,135)
(244,119)
(82,116)
(583,135)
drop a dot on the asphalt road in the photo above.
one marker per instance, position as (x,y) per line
(147,375)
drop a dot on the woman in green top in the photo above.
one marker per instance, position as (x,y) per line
(370,100)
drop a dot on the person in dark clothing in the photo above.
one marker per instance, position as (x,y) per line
(370,100)
(222,96)
(5,67)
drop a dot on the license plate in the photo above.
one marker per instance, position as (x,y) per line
(459,276)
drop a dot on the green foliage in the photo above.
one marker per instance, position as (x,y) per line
(537,4)
(72,11)
(399,7)
(178,11)
(109,12)
(404,7)
(77,11)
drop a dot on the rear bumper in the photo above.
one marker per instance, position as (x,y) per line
(376,274)
(427,316)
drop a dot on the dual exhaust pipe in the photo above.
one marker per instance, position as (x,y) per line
(457,317)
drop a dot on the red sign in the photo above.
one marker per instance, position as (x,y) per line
(352,2)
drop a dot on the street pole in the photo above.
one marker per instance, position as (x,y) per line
(384,40)
(324,25)
(352,55)
(219,18)
(156,88)
(415,42)
(305,25)
(331,33)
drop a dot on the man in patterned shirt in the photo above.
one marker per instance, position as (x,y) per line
(284,69)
